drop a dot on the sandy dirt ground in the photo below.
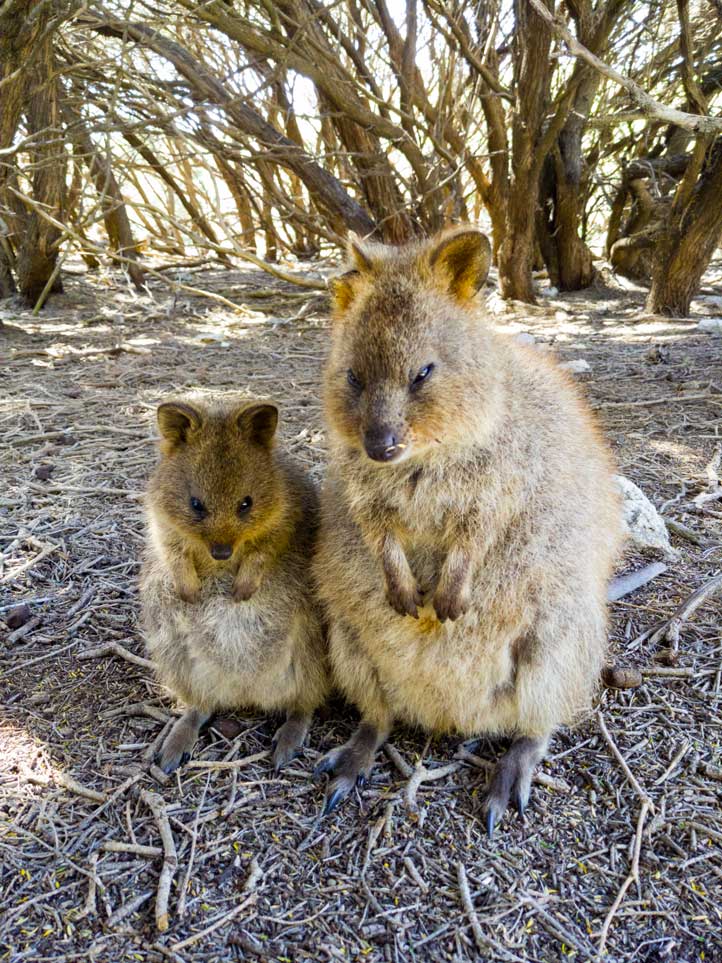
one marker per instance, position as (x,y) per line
(259,875)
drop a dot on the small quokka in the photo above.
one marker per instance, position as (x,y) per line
(228,608)
(469,521)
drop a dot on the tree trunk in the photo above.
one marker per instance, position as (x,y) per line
(38,252)
(567,257)
(7,281)
(686,247)
(115,216)
(531,43)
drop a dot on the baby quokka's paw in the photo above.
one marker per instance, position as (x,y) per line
(451,602)
(189,592)
(244,587)
(404,597)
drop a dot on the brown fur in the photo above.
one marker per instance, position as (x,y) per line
(493,530)
(245,630)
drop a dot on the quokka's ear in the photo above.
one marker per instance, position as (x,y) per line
(344,287)
(460,261)
(178,421)
(258,423)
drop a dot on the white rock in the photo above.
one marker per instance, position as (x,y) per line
(561,316)
(525,338)
(496,304)
(643,524)
(713,325)
(548,292)
(577,366)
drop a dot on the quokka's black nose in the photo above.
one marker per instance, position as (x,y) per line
(382,444)
(221,552)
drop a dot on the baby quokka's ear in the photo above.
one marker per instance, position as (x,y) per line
(459,260)
(178,422)
(258,423)
(345,287)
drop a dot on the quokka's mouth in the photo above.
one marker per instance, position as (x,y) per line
(391,455)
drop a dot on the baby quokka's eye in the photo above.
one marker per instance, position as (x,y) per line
(198,507)
(354,381)
(421,376)
(244,507)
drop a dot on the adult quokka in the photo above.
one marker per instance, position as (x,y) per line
(469,521)
(228,608)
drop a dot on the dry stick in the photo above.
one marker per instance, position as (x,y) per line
(181,907)
(398,760)
(555,927)
(48,286)
(677,528)
(633,876)
(696,123)
(656,401)
(622,762)
(90,906)
(668,672)
(705,830)
(227,763)
(66,782)
(248,887)
(466,902)
(116,846)
(13,573)
(170,858)
(484,943)
(671,629)
(626,584)
(114,648)
(127,908)
(422,774)
(414,873)
(673,764)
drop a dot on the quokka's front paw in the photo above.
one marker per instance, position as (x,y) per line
(187,592)
(244,589)
(404,599)
(450,604)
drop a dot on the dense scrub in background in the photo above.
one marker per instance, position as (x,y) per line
(254,129)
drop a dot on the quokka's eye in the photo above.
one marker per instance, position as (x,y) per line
(353,380)
(245,506)
(422,376)
(198,507)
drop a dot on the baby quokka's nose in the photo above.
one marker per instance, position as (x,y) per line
(381,444)
(221,552)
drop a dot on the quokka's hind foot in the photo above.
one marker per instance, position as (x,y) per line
(350,764)
(512,780)
(289,738)
(178,744)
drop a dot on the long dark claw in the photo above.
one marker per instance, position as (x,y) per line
(490,823)
(332,801)
(361,780)
(278,764)
(520,805)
